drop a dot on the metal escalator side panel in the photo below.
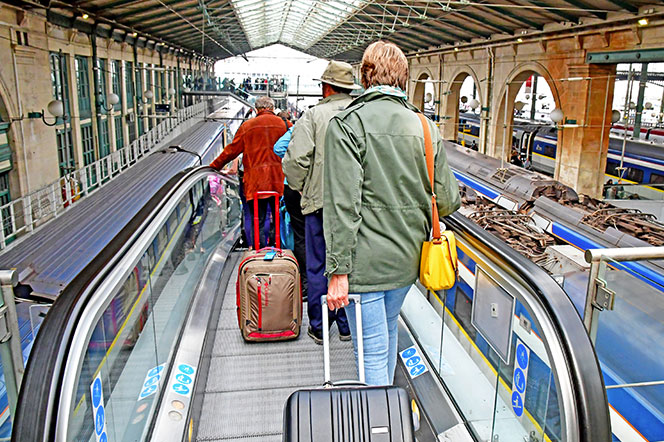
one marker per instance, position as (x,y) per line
(35,411)
(574,362)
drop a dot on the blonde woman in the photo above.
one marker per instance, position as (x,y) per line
(377,202)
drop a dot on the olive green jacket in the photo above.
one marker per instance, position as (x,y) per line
(377,195)
(303,162)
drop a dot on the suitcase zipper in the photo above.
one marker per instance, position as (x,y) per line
(260,305)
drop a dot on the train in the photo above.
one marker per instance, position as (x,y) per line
(629,335)
(651,134)
(535,145)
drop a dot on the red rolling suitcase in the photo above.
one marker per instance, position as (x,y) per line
(348,411)
(269,298)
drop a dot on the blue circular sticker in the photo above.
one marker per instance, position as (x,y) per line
(517,404)
(522,356)
(186,369)
(155,371)
(99,420)
(413,361)
(96,393)
(183,379)
(408,353)
(103,437)
(519,380)
(181,389)
(151,381)
(417,370)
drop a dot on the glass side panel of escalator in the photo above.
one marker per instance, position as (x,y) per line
(503,385)
(126,360)
(630,343)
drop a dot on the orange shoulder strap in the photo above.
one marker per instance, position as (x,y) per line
(428,150)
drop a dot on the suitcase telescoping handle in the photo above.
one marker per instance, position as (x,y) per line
(326,338)
(277,233)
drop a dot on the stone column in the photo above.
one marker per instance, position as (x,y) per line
(583,139)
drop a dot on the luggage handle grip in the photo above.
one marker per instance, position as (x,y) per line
(326,338)
(277,231)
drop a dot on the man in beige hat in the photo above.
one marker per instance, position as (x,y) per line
(303,167)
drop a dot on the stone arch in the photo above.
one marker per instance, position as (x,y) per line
(418,90)
(451,109)
(503,111)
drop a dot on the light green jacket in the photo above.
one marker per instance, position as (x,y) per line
(377,192)
(303,162)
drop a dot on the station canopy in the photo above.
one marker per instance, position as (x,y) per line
(339,29)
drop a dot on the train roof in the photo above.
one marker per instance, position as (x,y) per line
(643,149)
(49,259)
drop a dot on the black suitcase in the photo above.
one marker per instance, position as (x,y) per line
(348,411)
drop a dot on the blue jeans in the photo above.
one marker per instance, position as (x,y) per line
(317,281)
(380,312)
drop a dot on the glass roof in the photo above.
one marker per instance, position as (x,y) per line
(298,23)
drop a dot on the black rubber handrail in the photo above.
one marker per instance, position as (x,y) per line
(40,389)
(588,385)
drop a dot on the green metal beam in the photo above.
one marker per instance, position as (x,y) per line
(585,7)
(505,11)
(547,7)
(629,7)
(633,56)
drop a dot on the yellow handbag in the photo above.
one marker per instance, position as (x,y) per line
(438,262)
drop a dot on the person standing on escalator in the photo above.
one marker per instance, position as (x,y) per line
(377,200)
(254,139)
(303,167)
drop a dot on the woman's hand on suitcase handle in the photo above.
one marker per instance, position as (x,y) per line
(337,292)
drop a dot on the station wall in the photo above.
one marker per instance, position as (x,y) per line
(31,49)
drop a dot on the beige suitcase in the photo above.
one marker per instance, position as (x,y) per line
(269,296)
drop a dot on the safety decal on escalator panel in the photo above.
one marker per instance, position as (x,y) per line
(520,377)
(98,410)
(184,379)
(413,362)
(152,381)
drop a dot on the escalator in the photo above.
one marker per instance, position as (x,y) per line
(144,344)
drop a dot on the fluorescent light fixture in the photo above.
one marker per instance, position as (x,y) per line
(519,40)
(643,22)
(85,16)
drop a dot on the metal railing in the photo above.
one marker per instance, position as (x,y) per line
(21,216)
(622,314)
(599,296)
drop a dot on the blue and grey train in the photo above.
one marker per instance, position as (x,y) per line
(643,161)
(630,338)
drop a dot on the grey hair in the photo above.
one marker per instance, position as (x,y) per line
(264,103)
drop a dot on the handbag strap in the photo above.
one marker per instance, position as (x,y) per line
(428,151)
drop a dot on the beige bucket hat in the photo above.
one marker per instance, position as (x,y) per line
(340,74)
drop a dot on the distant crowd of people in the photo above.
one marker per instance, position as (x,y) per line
(357,228)
(275,83)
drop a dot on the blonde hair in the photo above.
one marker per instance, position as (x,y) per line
(383,63)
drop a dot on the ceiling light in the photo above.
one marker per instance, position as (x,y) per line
(519,40)
(643,22)
(456,49)
(134,34)
(85,16)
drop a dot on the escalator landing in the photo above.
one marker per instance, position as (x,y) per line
(248,383)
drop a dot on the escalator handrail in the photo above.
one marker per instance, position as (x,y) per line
(42,380)
(589,394)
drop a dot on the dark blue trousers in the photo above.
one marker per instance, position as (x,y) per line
(316,279)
